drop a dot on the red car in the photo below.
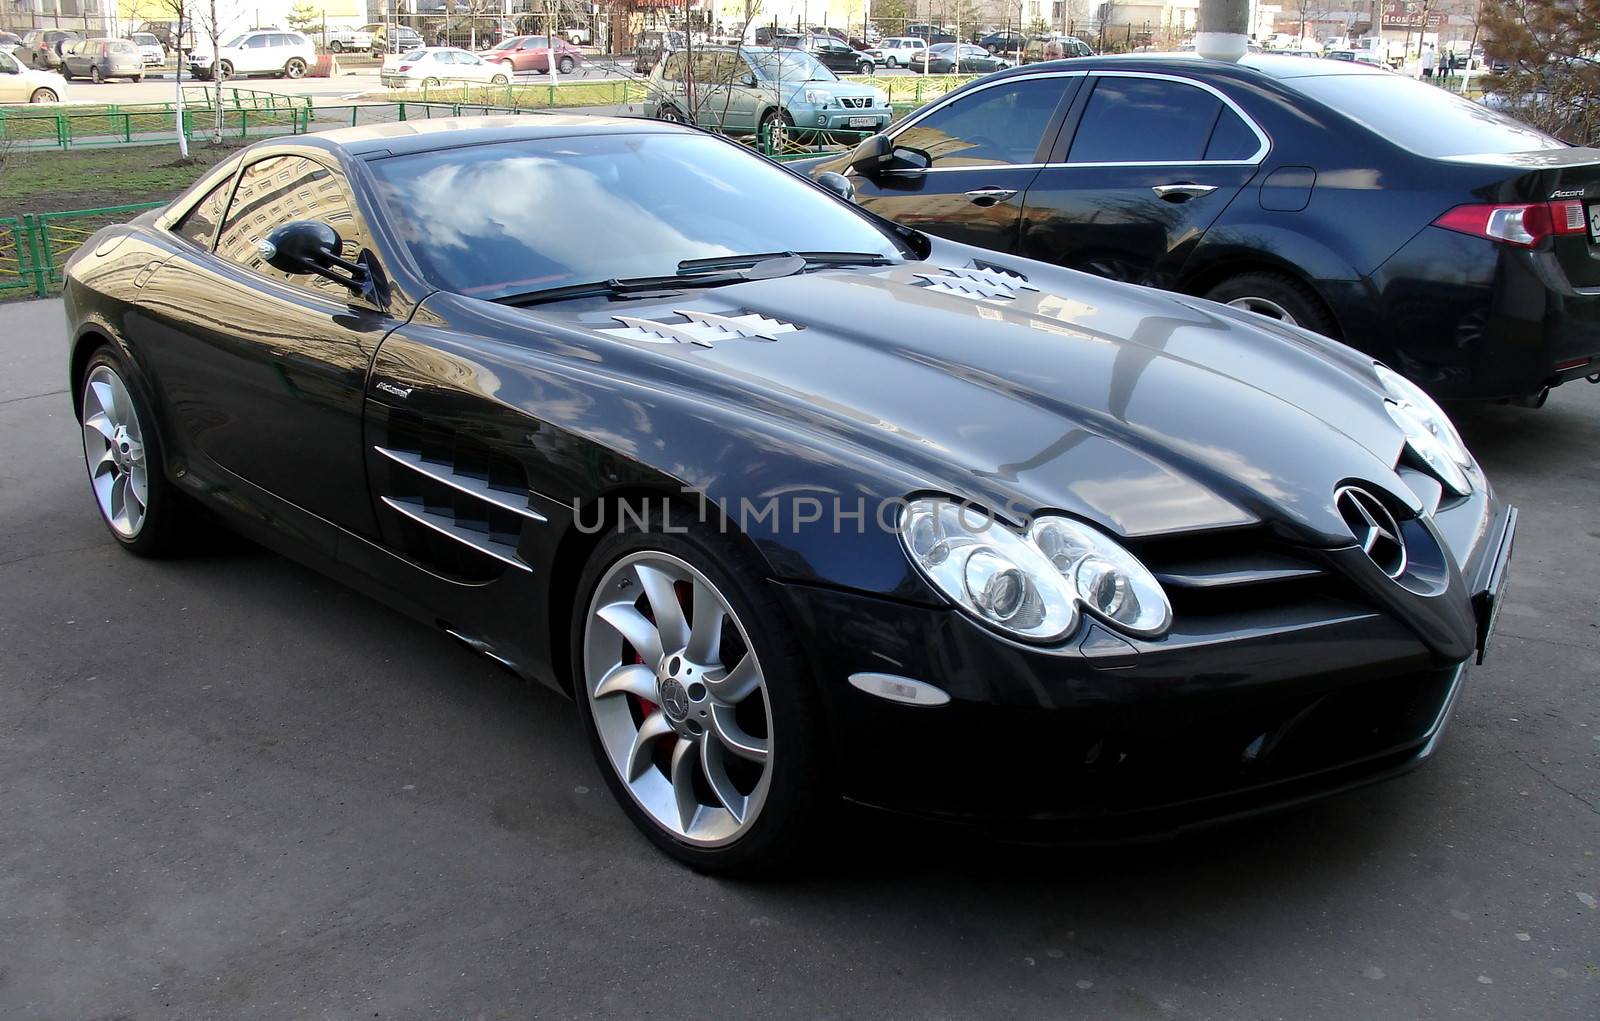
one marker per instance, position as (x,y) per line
(531,53)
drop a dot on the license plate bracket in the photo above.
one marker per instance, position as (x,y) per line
(863,122)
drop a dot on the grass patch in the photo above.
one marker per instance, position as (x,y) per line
(47,181)
(94,124)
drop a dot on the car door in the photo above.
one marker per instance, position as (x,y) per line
(266,371)
(1146,165)
(14,88)
(984,149)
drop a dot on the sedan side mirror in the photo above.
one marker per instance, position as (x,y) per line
(877,153)
(838,184)
(311,246)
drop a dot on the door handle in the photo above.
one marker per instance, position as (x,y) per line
(989,196)
(1182,192)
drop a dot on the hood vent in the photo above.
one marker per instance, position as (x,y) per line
(702,328)
(980,281)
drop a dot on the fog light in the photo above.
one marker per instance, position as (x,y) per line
(822,118)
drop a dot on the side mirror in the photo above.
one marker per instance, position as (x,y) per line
(838,184)
(311,246)
(871,153)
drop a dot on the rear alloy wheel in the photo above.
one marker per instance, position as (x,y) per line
(224,70)
(499,79)
(94,74)
(123,457)
(44,96)
(565,65)
(295,68)
(1275,296)
(775,126)
(336,46)
(694,699)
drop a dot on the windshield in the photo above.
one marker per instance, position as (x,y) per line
(496,220)
(790,66)
(236,40)
(1427,120)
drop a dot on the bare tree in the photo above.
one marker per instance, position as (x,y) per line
(160,10)
(214,22)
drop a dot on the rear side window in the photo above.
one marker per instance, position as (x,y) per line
(1145,120)
(200,223)
(996,126)
(1427,120)
(1232,138)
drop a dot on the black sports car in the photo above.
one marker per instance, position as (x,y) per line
(1457,245)
(795,502)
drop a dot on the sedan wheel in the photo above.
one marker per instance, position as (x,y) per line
(1276,296)
(295,68)
(44,96)
(94,74)
(336,46)
(694,699)
(866,67)
(1264,307)
(499,79)
(565,65)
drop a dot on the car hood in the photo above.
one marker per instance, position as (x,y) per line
(793,91)
(1148,412)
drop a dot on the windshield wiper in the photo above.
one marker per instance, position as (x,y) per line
(757,267)
(810,258)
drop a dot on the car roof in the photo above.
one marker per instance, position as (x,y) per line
(1271,65)
(405,137)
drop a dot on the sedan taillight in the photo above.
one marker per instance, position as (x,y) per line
(403,67)
(1520,224)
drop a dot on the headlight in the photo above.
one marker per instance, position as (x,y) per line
(817,97)
(1030,586)
(1429,433)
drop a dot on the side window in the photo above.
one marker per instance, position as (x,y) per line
(1232,138)
(1144,120)
(279,190)
(7,65)
(674,69)
(996,126)
(200,223)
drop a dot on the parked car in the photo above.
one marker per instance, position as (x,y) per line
(1071,46)
(831,52)
(943,58)
(435,65)
(1125,561)
(392,38)
(9,41)
(532,53)
(22,84)
(350,40)
(930,34)
(1004,42)
(284,54)
(578,35)
(753,90)
(151,49)
(897,51)
(652,45)
(1449,241)
(99,59)
(43,46)
(841,35)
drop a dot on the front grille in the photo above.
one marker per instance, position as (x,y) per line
(1237,571)
(856,102)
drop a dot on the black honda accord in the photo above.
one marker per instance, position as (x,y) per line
(1453,243)
(796,504)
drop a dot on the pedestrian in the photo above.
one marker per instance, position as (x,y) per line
(1053,50)
(1428,60)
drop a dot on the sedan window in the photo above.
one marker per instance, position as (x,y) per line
(1145,120)
(996,126)
(200,224)
(1427,120)
(514,217)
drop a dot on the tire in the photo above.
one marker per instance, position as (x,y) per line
(778,126)
(138,78)
(992,50)
(66,74)
(430,83)
(731,812)
(295,68)
(94,74)
(122,449)
(499,79)
(336,47)
(891,62)
(1276,296)
(565,65)
(866,67)
(44,96)
(670,113)
(224,70)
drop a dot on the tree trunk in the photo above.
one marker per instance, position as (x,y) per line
(1223,29)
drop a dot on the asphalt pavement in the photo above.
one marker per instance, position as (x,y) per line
(230,788)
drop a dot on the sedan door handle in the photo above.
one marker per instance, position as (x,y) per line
(989,196)
(1182,192)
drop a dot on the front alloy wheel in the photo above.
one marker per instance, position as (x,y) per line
(678,698)
(44,96)
(114,450)
(295,68)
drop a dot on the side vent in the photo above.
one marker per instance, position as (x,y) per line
(980,281)
(460,508)
(701,328)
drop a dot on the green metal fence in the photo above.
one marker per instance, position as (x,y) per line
(34,247)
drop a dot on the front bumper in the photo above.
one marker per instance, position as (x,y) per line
(1113,742)
(874,118)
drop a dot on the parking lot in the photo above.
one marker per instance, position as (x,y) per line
(235,789)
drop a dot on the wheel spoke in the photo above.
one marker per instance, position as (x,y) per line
(716,770)
(102,464)
(106,398)
(99,425)
(705,633)
(736,685)
(662,595)
(655,727)
(733,736)
(628,679)
(119,499)
(685,761)
(628,622)
(138,488)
